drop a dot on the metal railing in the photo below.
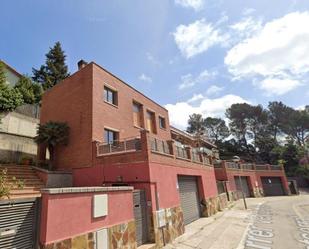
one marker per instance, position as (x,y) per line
(275,167)
(118,146)
(261,167)
(232,165)
(160,146)
(247,166)
(196,156)
(181,152)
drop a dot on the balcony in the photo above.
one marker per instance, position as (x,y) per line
(247,166)
(152,149)
(185,155)
(127,145)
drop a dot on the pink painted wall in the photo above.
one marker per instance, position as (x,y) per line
(165,177)
(68,215)
(99,174)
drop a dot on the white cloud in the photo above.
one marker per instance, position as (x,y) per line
(144,77)
(195,4)
(197,37)
(179,112)
(246,27)
(188,80)
(275,86)
(282,45)
(195,98)
(213,89)
(278,52)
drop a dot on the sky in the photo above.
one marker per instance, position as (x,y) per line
(190,56)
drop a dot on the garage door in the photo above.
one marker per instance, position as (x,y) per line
(18,224)
(242,182)
(188,192)
(272,186)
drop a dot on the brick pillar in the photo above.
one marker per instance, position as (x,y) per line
(172,147)
(188,150)
(145,146)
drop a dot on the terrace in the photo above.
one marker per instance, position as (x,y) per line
(156,150)
(228,165)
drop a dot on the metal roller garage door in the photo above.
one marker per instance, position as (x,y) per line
(18,224)
(188,192)
(272,186)
(140,215)
(242,182)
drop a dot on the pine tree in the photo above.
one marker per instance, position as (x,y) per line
(30,91)
(54,70)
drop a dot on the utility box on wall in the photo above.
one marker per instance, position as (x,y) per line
(100,205)
(102,239)
(161,221)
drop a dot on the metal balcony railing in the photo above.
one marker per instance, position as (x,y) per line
(158,145)
(181,152)
(232,165)
(118,146)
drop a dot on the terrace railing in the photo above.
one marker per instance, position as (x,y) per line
(181,152)
(119,146)
(275,167)
(161,146)
(261,167)
(232,165)
(247,166)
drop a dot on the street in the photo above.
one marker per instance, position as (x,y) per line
(271,222)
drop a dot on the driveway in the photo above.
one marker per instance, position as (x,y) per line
(271,222)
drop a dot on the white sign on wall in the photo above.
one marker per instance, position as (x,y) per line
(100,205)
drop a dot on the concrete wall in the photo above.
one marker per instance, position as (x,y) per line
(19,124)
(13,148)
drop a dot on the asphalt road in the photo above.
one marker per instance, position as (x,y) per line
(269,223)
(279,222)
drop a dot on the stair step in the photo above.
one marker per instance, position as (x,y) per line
(23,191)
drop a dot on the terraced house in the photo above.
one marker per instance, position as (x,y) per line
(127,177)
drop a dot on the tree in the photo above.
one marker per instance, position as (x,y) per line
(31,92)
(52,134)
(54,70)
(278,116)
(196,125)
(10,98)
(216,129)
(297,126)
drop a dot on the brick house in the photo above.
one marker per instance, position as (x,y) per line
(120,137)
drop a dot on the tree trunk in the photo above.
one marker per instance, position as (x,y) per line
(51,157)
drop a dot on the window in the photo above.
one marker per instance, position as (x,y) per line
(137,114)
(162,123)
(110,136)
(110,96)
(150,122)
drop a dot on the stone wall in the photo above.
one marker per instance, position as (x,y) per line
(173,229)
(122,236)
(212,205)
(258,192)
(119,236)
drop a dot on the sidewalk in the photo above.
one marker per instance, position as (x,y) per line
(224,230)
